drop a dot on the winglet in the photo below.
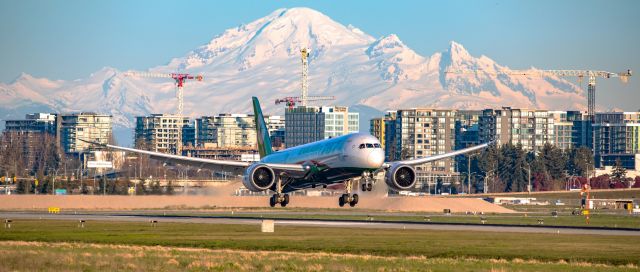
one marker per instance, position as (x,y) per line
(262,132)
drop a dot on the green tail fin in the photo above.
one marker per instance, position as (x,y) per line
(262,132)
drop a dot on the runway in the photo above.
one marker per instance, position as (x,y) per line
(16,216)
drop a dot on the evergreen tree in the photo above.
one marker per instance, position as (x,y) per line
(619,173)
(579,161)
(554,161)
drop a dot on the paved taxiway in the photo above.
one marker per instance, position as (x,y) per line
(16,216)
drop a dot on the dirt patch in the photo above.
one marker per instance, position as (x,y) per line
(373,202)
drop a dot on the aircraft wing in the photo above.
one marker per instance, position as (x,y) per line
(235,167)
(440,156)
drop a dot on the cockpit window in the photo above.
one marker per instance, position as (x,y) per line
(369,145)
(361,146)
(376,145)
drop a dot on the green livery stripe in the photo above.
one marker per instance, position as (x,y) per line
(262,132)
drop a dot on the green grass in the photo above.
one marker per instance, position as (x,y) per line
(531,219)
(569,196)
(429,244)
(33,256)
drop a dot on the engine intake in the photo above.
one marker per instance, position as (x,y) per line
(400,177)
(259,177)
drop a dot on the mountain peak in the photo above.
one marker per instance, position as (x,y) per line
(384,45)
(457,51)
(298,11)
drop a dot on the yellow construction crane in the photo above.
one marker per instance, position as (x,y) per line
(304,97)
(580,74)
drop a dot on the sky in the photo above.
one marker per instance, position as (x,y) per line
(72,39)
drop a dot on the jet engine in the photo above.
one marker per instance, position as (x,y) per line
(400,177)
(259,177)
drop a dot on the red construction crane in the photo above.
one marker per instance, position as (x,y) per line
(292,100)
(179,79)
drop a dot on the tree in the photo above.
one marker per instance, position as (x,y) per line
(601,182)
(141,187)
(170,189)
(636,183)
(619,173)
(155,187)
(556,161)
(579,161)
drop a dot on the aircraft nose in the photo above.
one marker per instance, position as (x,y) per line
(376,158)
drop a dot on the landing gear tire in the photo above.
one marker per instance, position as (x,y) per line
(364,187)
(285,200)
(282,199)
(354,200)
(369,187)
(344,199)
(272,201)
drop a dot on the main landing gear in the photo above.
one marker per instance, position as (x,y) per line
(279,197)
(366,183)
(282,199)
(348,198)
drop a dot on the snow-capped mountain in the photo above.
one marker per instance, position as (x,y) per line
(262,58)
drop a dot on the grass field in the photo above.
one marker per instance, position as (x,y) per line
(301,248)
(87,257)
(568,196)
(531,219)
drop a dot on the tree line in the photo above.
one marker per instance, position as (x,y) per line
(35,164)
(509,168)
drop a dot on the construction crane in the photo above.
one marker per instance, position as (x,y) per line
(179,80)
(291,101)
(580,74)
(305,73)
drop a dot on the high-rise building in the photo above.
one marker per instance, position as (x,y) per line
(425,132)
(276,126)
(380,128)
(160,132)
(236,130)
(376,129)
(562,129)
(530,128)
(89,126)
(466,128)
(34,122)
(616,136)
(390,135)
(310,124)
(32,133)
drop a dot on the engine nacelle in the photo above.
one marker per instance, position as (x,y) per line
(258,177)
(400,177)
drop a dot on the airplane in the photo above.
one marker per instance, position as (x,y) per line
(326,162)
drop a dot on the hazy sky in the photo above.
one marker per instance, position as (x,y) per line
(72,39)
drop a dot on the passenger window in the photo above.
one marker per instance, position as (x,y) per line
(376,145)
(369,146)
(361,146)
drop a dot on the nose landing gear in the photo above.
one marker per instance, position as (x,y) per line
(367,182)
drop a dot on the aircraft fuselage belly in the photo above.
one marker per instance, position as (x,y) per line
(332,160)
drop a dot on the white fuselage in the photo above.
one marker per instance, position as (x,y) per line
(354,151)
